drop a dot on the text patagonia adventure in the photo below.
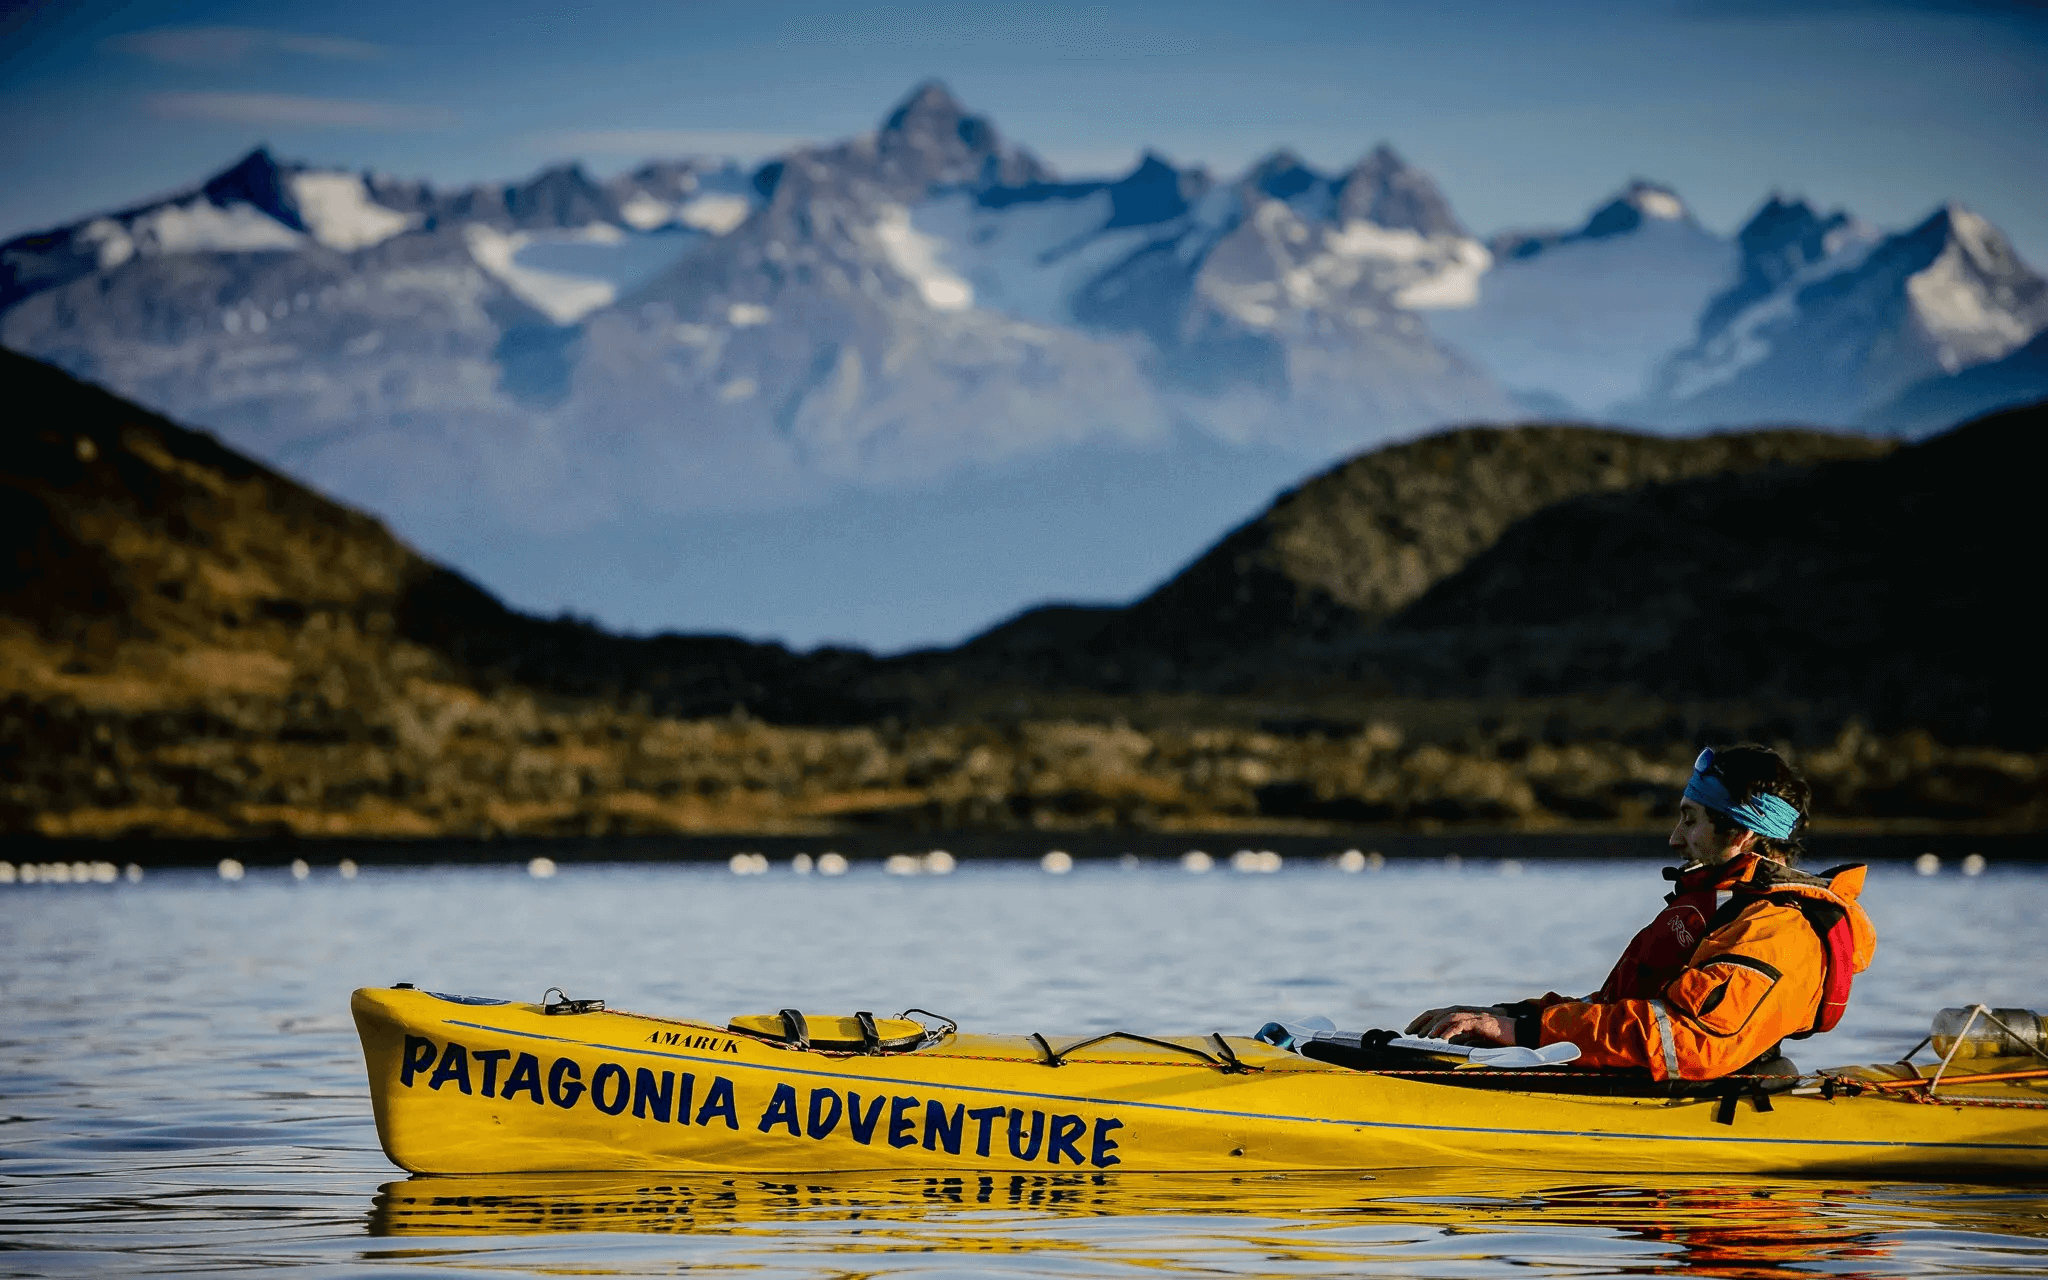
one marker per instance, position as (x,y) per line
(671,1097)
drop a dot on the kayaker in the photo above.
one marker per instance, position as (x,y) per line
(1747,951)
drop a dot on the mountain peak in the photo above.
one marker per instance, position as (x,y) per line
(2010,286)
(1282,175)
(1381,162)
(929,103)
(1384,189)
(1777,220)
(1952,220)
(257,179)
(563,195)
(1152,192)
(1783,238)
(1634,205)
(930,138)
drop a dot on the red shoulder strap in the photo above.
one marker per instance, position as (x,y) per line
(1830,923)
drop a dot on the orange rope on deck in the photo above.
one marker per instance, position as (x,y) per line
(2036,1073)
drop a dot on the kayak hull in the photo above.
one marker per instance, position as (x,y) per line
(462,1087)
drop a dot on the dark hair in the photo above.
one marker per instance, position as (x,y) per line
(1749,768)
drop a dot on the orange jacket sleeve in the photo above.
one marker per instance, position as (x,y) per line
(1750,984)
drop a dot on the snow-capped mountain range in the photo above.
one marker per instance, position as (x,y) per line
(1830,321)
(931,300)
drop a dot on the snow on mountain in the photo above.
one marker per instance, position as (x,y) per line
(562,296)
(1027,251)
(339,212)
(568,246)
(931,296)
(1384,222)
(682,193)
(1580,320)
(833,336)
(1829,323)
(332,322)
(1272,308)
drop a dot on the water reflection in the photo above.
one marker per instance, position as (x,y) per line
(1422,1221)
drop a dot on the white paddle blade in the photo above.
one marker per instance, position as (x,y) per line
(1550,1055)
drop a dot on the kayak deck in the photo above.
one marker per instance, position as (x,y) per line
(463,1086)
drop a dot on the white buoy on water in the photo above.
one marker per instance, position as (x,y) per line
(1056,862)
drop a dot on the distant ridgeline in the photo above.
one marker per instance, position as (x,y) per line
(1510,626)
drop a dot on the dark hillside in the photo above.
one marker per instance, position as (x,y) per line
(123,528)
(1334,559)
(1899,589)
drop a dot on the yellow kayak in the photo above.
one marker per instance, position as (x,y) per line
(462,1085)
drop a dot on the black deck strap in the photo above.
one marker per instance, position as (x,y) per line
(1231,1066)
(795,1029)
(1724,1111)
(1760,1100)
(870,1037)
(1059,1059)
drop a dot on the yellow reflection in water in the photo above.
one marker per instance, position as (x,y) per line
(1421,1220)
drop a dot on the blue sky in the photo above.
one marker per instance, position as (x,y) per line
(1526,113)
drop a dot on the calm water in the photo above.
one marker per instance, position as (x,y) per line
(181,1092)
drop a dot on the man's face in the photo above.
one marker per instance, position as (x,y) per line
(1697,841)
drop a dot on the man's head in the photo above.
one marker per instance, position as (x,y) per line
(1741,798)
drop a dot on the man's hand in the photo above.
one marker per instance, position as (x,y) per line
(1465,1024)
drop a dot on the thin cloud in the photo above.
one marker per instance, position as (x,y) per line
(287,110)
(227,46)
(639,143)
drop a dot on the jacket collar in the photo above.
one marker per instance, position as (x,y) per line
(1750,870)
(1741,869)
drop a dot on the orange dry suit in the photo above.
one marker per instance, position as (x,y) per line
(1745,954)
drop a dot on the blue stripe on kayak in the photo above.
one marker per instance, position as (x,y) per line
(1243,1115)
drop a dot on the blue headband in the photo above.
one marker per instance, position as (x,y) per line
(1767,815)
